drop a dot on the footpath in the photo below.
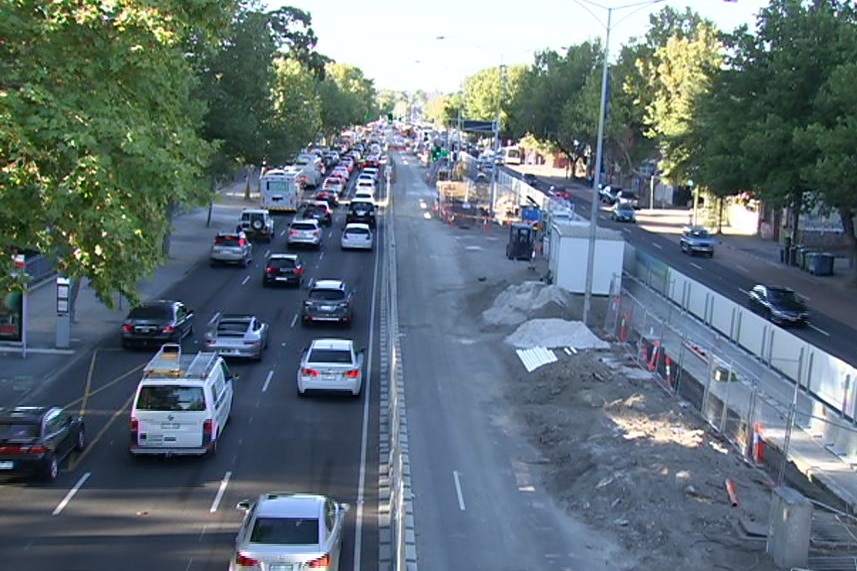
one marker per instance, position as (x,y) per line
(25,372)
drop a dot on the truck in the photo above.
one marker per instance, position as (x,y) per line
(280,190)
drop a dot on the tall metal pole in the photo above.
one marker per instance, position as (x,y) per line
(596,182)
(494,167)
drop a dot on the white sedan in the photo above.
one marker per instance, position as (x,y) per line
(357,236)
(331,365)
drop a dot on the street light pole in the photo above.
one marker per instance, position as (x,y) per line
(494,167)
(596,181)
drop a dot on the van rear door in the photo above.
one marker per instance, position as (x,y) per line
(170,416)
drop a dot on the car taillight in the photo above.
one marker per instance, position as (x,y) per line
(270,270)
(135,425)
(309,372)
(128,327)
(323,561)
(353,373)
(168,328)
(315,232)
(245,561)
(34,449)
(299,270)
(207,426)
(292,232)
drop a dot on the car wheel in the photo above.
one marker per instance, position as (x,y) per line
(51,468)
(81,442)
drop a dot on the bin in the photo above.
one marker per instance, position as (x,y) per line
(822,264)
(794,252)
(805,256)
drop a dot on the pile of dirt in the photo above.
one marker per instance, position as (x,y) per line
(528,300)
(626,457)
(552,333)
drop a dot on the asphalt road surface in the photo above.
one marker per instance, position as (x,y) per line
(477,502)
(108,510)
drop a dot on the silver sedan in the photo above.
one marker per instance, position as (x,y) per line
(237,336)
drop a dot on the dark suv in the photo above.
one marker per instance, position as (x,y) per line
(35,439)
(156,323)
(328,301)
(283,269)
(363,212)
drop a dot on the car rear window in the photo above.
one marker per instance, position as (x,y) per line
(232,328)
(150,312)
(228,241)
(329,356)
(356,231)
(285,531)
(172,398)
(303,226)
(362,207)
(326,295)
(281,263)
(13,430)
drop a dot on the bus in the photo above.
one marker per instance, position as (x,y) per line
(511,155)
(280,190)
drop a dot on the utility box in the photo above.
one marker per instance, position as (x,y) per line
(789,528)
(568,254)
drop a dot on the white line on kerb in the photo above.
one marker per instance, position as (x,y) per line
(220,491)
(268,380)
(71,493)
(457,477)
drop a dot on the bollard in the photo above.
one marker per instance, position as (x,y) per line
(758,443)
(668,374)
(653,361)
(730,490)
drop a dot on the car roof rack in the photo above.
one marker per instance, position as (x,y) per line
(168,363)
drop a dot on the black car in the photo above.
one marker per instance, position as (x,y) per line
(35,439)
(780,305)
(283,269)
(316,212)
(328,301)
(363,212)
(156,323)
(531,179)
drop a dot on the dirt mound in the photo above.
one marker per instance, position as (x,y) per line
(553,333)
(624,455)
(528,300)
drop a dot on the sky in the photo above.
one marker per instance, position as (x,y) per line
(395,42)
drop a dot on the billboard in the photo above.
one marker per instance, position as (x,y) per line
(11,316)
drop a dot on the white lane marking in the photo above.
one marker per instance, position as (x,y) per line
(364,435)
(697,266)
(294,321)
(742,268)
(457,477)
(658,246)
(220,491)
(71,493)
(267,252)
(246,279)
(214,318)
(189,563)
(822,331)
(268,380)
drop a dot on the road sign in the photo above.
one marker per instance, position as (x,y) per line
(475,126)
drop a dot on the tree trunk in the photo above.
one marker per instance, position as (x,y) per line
(247,182)
(847,218)
(165,243)
(72,298)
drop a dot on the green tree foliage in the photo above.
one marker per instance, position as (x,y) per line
(296,116)
(99,131)
(347,96)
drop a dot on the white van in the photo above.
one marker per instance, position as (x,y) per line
(181,405)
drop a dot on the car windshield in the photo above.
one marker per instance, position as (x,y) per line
(699,233)
(10,430)
(285,531)
(150,312)
(172,398)
(326,295)
(329,356)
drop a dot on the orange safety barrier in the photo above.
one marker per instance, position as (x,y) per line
(644,351)
(730,491)
(668,373)
(623,328)
(653,361)
(758,443)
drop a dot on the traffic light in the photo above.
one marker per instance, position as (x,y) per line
(389,117)
(436,153)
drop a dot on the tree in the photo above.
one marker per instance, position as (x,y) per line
(296,117)
(99,132)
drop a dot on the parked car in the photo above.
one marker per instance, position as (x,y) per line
(283,269)
(230,248)
(623,212)
(304,233)
(257,224)
(157,322)
(531,179)
(607,193)
(328,301)
(331,365)
(697,240)
(35,439)
(286,531)
(237,336)
(628,197)
(357,236)
(779,305)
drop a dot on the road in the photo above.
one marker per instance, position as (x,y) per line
(108,510)
(726,273)
(478,501)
